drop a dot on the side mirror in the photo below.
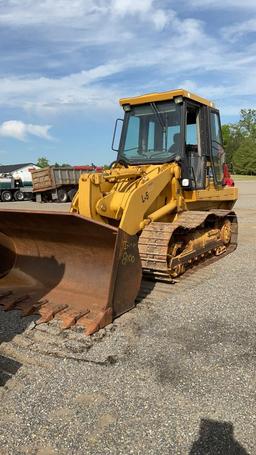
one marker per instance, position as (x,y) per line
(117,133)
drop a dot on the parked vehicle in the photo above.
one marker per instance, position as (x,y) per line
(58,184)
(12,188)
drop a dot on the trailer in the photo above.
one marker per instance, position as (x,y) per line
(12,188)
(58,184)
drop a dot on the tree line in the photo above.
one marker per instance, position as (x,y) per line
(240,143)
(44,162)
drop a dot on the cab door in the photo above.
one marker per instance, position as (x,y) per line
(195,145)
(217,153)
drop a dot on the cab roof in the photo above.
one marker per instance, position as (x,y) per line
(164,96)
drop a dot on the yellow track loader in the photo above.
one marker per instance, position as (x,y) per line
(160,209)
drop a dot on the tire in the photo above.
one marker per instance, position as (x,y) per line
(28,196)
(62,195)
(19,196)
(71,194)
(6,196)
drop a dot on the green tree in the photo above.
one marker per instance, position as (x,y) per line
(62,165)
(247,123)
(42,162)
(240,142)
(229,143)
(244,158)
(232,139)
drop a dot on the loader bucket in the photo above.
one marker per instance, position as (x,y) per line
(66,266)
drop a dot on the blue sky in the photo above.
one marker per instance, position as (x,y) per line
(64,66)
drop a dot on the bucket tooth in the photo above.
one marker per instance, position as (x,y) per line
(103,319)
(71,319)
(15,303)
(31,308)
(5,294)
(49,313)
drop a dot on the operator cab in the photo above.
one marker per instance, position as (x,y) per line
(173,126)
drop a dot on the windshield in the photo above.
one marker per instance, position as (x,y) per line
(151,133)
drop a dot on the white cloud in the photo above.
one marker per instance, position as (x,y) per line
(235,31)
(124,7)
(141,59)
(81,14)
(145,9)
(161,19)
(47,96)
(172,56)
(196,53)
(19,130)
(29,12)
(220,4)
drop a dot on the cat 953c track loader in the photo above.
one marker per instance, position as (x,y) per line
(160,209)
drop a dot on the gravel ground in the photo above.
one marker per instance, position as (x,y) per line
(30,205)
(173,377)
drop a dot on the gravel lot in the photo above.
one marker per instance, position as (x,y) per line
(176,376)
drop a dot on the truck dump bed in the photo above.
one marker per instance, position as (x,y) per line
(54,177)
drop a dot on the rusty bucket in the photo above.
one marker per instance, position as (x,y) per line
(64,266)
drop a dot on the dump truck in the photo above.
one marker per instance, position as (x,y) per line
(13,188)
(57,183)
(161,209)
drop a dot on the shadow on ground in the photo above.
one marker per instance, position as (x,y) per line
(216,438)
(146,287)
(8,367)
(11,324)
